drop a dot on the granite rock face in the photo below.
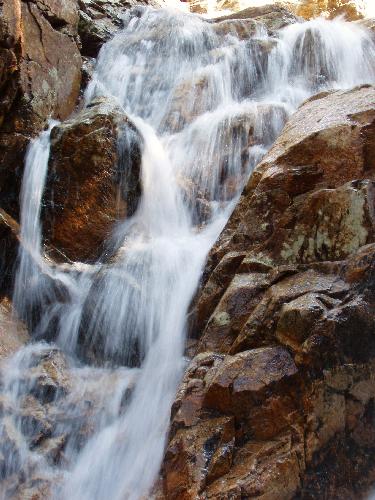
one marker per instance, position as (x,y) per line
(278,400)
(93,179)
(40,76)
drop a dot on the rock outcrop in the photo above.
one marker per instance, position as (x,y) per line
(278,401)
(9,237)
(330,9)
(93,179)
(100,19)
(271,17)
(40,75)
(310,199)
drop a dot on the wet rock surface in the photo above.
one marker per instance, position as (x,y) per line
(281,389)
(328,8)
(41,47)
(52,407)
(100,19)
(9,234)
(296,385)
(278,11)
(40,75)
(278,399)
(93,179)
(270,17)
(322,165)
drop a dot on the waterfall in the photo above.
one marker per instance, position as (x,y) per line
(208,106)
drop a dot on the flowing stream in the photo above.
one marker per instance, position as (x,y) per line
(208,104)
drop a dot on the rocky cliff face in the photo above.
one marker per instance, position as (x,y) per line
(40,76)
(41,49)
(45,52)
(278,401)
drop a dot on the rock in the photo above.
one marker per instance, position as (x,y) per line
(100,19)
(268,469)
(322,166)
(229,316)
(296,318)
(13,333)
(330,9)
(203,447)
(242,381)
(93,180)
(40,74)
(88,67)
(293,409)
(285,320)
(203,452)
(308,9)
(33,422)
(50,70)
(271,17)
(269,317)
(46,377)
(9,235)
(211,293)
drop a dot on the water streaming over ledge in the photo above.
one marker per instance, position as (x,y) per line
(208,106)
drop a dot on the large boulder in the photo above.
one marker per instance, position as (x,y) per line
(93,179)
(40,75)
(285,321)
(322,165)
(310,199)
(292,393)
(13,333)
(100,19)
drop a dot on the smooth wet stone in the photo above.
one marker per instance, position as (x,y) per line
(93,179)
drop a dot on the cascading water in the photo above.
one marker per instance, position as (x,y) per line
(208,106)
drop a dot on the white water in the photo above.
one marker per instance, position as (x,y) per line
(208,107)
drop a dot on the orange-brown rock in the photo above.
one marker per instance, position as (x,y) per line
(286,320)
(330,9)
(272,17)
(295,403)
(13,333)
(9,236)
(100,19)
(40,75)
(308,9)
(311,198)
(93,180)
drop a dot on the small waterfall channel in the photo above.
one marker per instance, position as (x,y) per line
(208,104)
